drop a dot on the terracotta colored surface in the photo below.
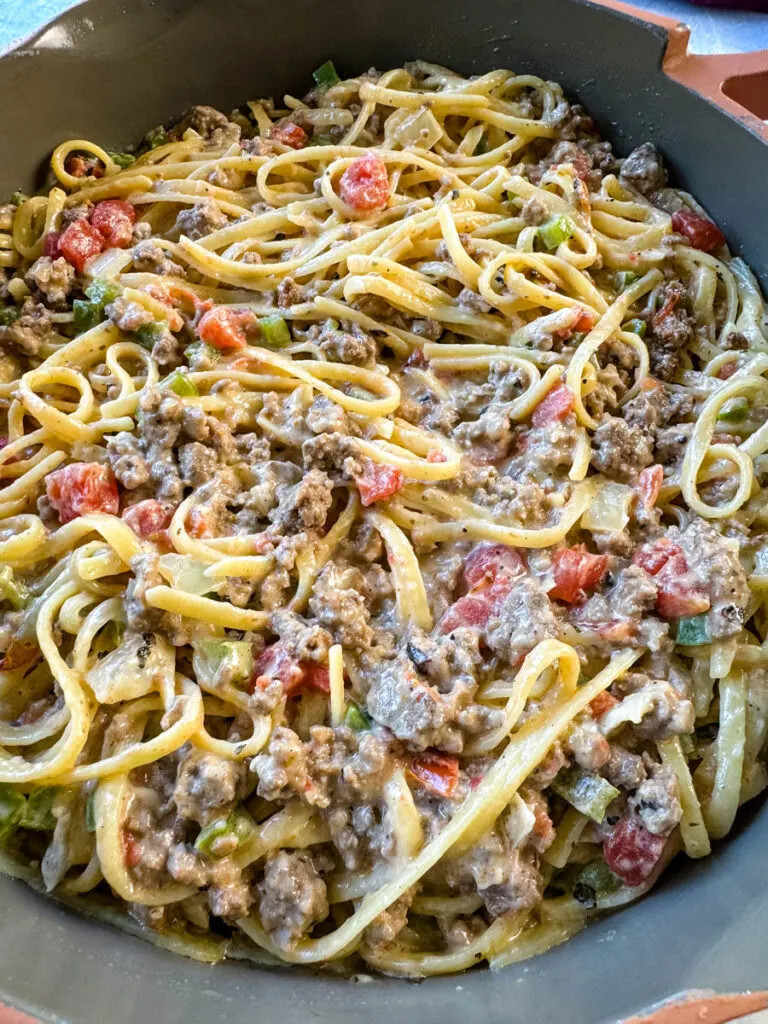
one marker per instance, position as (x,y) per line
(737,82)
(716,1010)
(9,1016)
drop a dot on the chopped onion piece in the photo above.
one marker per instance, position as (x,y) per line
(412,128)
(143,663)
(187,574)
(609,511)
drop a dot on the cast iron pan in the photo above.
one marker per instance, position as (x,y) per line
(108,70)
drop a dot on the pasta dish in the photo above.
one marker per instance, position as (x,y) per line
(383,535)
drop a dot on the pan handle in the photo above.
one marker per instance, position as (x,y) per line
(735,82)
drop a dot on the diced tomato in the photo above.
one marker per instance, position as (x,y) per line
(224,328)
(727,370)
(586,321)
(631,851)
(51,245)
(114,220)
(489,563)
(197,524)
(316,677)
(378,481)
(150,519)
(554,406)
(275,662)
(603,702)
(79,242)
(653,557)
(471,610)
(649,384)
(649,485)
(437,772)
(364,185)
(131,850)
(576,571)
(84,167)
(700,232)
(80,488)
(289,134)
(581,163)
(680,592)
(676,598)
(670,302)
(435,455)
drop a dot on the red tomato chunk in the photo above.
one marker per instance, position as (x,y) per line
(632,852)
(487,562)
(680,592)
(275,662)
(472,610)
(700,232)
(377,482)
(81,488)
(223,328)
(575,572)
(554,406)
(289,134)
(149,518)
(364,185)
(649,485)
(438,773)
(114,220)
(79,242)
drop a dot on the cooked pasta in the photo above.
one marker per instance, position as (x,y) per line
(383,562)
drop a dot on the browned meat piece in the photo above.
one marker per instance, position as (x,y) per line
(657,801)
(303,506)
(302,640)
(672,329)
(230,894)
(506,879)
(523,620)
(534,212)
(33,328)
(127,461)
(201,219)
(197,463)
(214,126)
(53,279)
(624,769)
(128,316)
(289,293)
(206,786)
(292,897)
(424,696)
(387,926)
(654,407)
(152,259)
(715,563)
(325,416)
(348,346)
(620,450)
(671,443)
(643,169)
(339,603)
(587,745)
(473,302)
